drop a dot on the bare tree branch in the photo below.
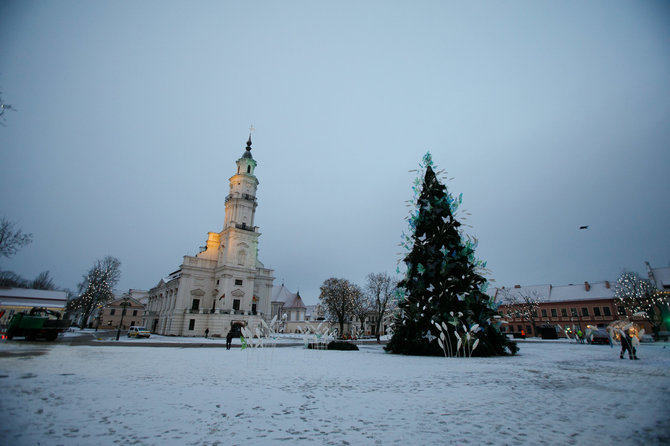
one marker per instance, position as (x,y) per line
(12,239)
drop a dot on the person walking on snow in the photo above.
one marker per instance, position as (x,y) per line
(229,339)
(627,344)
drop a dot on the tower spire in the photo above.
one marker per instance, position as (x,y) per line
(247,154)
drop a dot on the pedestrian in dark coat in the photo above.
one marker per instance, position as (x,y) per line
(229,339)
(627,344)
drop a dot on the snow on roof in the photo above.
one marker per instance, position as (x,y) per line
(31,293)
(558,293)
(541,292)
(586,291)
(26,297)
(32,298)
(661,277)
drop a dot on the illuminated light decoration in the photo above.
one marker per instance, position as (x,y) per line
(641,299)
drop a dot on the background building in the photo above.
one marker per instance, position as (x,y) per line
(574,307)
(112,315)
(17,300)
(225,284)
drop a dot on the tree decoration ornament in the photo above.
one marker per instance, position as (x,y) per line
(444,309)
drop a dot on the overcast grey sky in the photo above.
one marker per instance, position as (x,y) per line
(548,115)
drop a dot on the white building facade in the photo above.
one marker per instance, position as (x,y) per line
(225,286)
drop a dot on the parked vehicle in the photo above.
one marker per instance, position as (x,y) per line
(137,331)
(646,338)
(39,323)
(599,336)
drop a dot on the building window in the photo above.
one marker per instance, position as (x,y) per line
(191,324)
(112,311)
(534,312)
(236,304)
(621,310)
(596,311)
(248,169)
(573,312)
(544,313)
(238,282)
(606,311)
(585,311)
(134,313)
(217,281)
(253,308)
(564,312)
(196,304)
(554,313)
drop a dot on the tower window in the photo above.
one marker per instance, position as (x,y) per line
(248,169)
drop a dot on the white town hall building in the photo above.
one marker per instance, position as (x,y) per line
(225,285)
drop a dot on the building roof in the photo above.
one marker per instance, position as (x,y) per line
(296,302)
(117,302)
(661,277)
(556,293)
(283,295)
(247,152)
(32,298)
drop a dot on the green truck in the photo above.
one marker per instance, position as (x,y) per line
(39,323)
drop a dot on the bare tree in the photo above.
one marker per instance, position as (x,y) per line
(523,305)
(12,239)
(9,279)
(97,287)
(641,298)
(337,297)
(3,108)
(43,282)
(362,305)
(380,288)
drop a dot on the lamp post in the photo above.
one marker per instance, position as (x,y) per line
(124,304)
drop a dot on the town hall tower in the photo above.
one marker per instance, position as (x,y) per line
(225,285)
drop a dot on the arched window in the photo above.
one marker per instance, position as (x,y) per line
(248,169)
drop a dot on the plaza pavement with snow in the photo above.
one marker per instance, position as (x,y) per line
(551,393)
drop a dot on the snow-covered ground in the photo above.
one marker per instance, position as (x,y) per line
(110,336)
(550,394)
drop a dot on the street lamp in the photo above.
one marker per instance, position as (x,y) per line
(124,304)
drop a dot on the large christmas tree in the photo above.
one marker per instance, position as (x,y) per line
(443,307)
